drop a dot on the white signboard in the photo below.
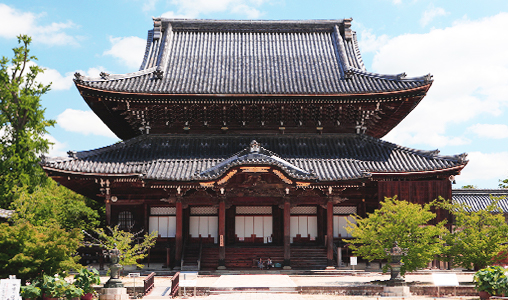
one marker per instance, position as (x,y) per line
(353,260)
(134,275)
(9,289)
(188,283)
(445,279)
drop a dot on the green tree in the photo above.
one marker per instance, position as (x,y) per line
(478,236)
(469,186)
(132,246)
(54,204)
(398,221)
(22,122)
(30,251)
(503,184)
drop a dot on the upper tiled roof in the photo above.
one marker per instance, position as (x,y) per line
(312,57)
(477,199)
(327,157)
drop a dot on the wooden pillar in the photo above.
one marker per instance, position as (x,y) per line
(329,233)
(179,234)
(108,211)
(222,235)
(287,237)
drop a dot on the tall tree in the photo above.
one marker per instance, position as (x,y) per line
(402,222)
(30,251)
(479,235)
(55,204)
(22,121)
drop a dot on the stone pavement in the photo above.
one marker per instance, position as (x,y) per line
(272,281)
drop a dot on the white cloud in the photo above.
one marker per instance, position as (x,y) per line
(369,42)
(58,149)
(492,131)
(58,81)
(485,166)
(149,4)
(84,122)
(196,8)
(431,13)
(14,22)
(470,68)
(129,50)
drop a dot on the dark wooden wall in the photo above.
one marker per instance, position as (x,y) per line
(420,192)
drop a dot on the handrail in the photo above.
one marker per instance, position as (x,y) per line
(148,283)
(175,284)
(200,251)
(183,253)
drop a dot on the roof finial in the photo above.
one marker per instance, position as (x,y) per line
(254,146)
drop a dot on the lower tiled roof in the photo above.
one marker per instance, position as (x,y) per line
(328,157)
(478,199)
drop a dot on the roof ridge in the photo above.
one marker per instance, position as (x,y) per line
(460,158)
(397,77)
(78,77)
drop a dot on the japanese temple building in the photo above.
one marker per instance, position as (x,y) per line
(252,134)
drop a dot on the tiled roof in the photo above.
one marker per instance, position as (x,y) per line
(317,57)
(477,199)
(326,157)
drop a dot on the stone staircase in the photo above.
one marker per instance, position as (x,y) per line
(310,258)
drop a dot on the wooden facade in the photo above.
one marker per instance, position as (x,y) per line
(276,148)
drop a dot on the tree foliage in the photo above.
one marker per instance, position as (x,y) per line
(30,251)
(22,121)
(402,222)
(132,247)
(478,237)
(503,183)
(54,204)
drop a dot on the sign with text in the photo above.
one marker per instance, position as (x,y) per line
(353,260)
(445,279)
(9,289)
(134,275)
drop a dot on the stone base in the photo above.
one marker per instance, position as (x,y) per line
(330,268)
(221,268)
(286,268)
(114,294)
(396,291)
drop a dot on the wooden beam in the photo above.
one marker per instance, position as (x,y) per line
(329,233)
(222,235)
(179,234)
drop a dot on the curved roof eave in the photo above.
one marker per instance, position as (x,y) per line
(394,92)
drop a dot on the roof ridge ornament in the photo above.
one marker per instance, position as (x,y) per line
(157,28)
(254,146)
(401,75)
(348,33)
(78,77)
(428,78)
(159,73)
(104,75)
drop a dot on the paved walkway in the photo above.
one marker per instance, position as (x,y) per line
(291,281)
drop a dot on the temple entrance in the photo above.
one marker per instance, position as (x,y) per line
(341,214)
(163,220)
(254,224)
(203,224)
(303,224)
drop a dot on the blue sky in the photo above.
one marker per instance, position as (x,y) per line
(462,43)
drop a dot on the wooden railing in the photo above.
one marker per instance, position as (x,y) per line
(175,284)
(149,283)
